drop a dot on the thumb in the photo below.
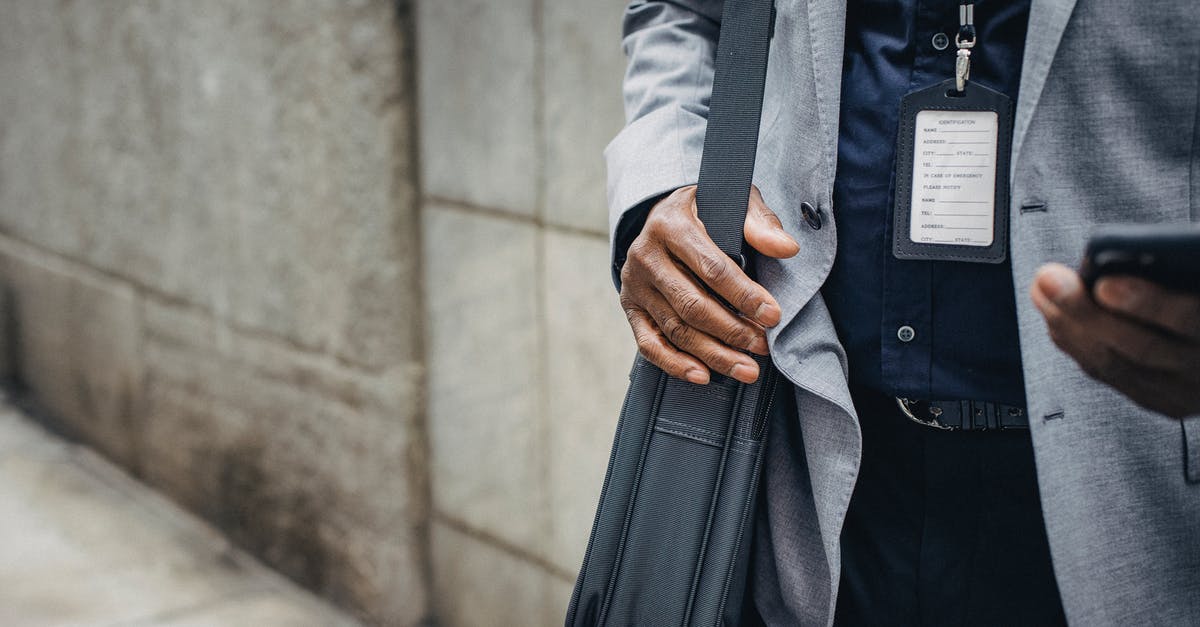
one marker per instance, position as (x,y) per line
(764,231)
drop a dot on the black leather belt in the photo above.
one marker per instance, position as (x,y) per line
(964,415)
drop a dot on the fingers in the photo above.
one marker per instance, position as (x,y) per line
(764,232)
(655,347)
(715,354)
(697,308)
(1151,304)
(1098,339)
(723,275)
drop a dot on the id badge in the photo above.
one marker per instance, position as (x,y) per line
(952,162)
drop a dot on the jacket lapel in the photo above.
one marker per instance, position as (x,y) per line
(1047,21)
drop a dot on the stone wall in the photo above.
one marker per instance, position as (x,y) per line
(331,273)
(208,250)
(528,350)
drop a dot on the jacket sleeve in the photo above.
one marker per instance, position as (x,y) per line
(671,46)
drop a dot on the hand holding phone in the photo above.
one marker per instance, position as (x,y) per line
(1131,317)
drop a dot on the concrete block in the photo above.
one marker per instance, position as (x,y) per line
(485,432)
(479,102)
(583,70)
(74,341)
(310,465)
(589,351)
(479,585)
(249,159)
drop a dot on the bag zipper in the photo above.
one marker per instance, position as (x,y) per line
(759,425)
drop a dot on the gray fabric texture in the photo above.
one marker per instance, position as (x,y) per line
(1105,131)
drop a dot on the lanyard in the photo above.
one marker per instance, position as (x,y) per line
(965,40)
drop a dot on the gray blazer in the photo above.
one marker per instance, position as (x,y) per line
(1106,131)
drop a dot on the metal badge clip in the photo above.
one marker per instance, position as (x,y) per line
(965,40)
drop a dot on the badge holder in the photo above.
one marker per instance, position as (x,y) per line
(952,164)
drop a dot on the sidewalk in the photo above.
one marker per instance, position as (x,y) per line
(82,544)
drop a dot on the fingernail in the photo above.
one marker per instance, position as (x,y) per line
(765,313)
(1058,284)
(699,377)
(783,236)
(759,345)
(743,373)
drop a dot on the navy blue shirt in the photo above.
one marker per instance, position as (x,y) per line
(963,315)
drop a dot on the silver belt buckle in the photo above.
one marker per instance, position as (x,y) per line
(905,404)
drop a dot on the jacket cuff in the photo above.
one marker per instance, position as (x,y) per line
(628,228)
(652,157)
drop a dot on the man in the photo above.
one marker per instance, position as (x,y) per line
(1086,508)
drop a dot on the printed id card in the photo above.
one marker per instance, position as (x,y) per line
(952,163)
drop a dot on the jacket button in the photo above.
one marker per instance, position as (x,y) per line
(811,215)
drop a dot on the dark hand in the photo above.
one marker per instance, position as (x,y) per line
(1142,339)
(679,325)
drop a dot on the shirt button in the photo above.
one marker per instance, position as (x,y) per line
(811,215)
(941,41)
(906,333)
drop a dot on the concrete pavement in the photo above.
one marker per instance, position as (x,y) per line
(84,545)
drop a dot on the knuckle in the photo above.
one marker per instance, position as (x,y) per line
(626,277)
(676,330)
(717,360)
(645,344)
(713,268)
(746,297)
(638,251)
(647,351)
(739,336)
(767,216)
(671,223)
(691,307)
(654,224)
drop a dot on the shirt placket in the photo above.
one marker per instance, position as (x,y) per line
(907,334)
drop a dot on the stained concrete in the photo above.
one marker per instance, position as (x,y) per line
(208,268)
(84,545)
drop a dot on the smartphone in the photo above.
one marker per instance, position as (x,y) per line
(1166,254)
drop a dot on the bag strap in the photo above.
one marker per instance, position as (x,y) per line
(734,113)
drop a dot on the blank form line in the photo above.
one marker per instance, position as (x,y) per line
(961,215)
(966,202)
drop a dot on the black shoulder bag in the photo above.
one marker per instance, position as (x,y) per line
(670,543)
